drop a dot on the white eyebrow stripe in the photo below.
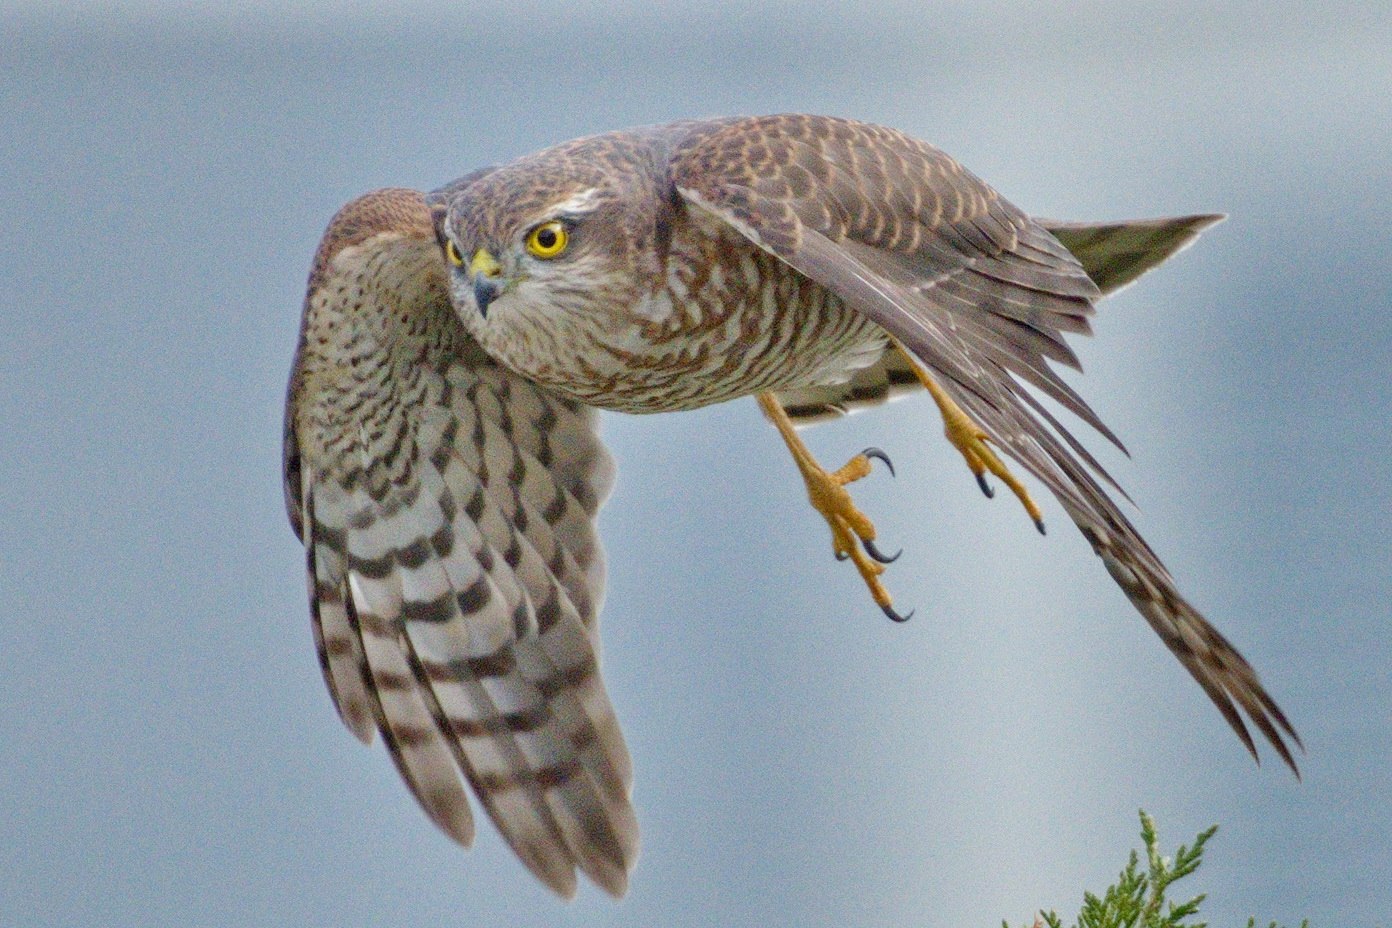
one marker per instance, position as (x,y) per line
(582,202)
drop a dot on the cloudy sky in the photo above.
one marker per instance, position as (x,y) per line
(171,756)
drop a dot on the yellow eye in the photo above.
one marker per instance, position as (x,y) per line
(452,252)
(548,239)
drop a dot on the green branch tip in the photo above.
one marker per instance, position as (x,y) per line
(1138,899)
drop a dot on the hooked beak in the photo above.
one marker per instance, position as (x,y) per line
(486,273)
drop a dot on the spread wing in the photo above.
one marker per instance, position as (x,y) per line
(447,511)
(983,296)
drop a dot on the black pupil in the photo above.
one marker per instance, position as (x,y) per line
(546,238)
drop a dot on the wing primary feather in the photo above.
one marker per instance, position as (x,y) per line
(408,729)
(338,646)
(591,806)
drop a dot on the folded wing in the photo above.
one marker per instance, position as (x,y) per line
(982,295)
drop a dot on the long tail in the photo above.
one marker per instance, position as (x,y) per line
(1114,254)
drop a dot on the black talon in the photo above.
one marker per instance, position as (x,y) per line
(896,617)
(880,455)
(985,487)
(840,555)
(877,554)
(1039,524)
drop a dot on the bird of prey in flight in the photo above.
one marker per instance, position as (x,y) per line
(442,465)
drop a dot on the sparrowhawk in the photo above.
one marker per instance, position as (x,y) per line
(442,465)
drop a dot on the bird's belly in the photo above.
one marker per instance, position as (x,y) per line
(686,361)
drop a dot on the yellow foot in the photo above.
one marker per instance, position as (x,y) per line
(852,532)
(970,440)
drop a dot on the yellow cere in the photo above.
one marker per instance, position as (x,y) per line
(548,239)
(452,252)
(484,263)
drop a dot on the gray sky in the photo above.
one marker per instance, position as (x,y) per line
(171,755)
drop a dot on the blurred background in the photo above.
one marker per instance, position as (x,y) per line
(170,753)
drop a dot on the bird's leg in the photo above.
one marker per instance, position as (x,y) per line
(852,532)
(970,439)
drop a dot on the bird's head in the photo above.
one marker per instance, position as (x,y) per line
(555,237)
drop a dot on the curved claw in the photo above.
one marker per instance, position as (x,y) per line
(896,617)
(880,456)
(985,487)
(1039,524)
(840,555)
(877,554)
